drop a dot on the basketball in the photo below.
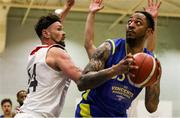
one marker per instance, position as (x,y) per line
(148,70)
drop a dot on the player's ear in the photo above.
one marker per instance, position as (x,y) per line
(45,33)
(149,32)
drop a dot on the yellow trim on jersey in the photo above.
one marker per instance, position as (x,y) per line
(85,110)
(154,55)
(113,45)
(85,95)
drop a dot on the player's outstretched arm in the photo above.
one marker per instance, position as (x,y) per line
(152,97)
(152,8)
(93,74)
(152,93)
(66,9)
(94,7)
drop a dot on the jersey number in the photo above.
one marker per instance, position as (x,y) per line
(32,82)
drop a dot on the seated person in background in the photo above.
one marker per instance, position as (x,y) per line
(6,105)
(21,95)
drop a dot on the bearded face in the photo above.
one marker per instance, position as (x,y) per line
(136,29)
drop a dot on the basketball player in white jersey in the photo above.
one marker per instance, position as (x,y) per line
(50,70)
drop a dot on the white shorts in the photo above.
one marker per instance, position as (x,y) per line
(27,115)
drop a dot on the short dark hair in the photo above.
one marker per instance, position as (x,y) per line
(149,18)
(6,100)
(20,92)
(44,22)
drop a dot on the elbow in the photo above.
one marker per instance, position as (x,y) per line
(151,108)
(81,86)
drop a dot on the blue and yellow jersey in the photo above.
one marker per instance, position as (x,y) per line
(115,96)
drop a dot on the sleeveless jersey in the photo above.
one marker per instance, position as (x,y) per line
(47,88)
(115,96)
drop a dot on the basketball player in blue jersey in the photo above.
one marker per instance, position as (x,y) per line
(114,97)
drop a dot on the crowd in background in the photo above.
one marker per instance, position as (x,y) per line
(7,105)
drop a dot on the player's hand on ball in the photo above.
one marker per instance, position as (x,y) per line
(125,65)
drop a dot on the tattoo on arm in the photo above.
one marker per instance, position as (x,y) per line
(94,73)
(99,58)
(152,96)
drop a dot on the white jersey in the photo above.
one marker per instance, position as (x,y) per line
(47,87)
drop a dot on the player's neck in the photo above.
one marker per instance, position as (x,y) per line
(7,115)
(46,42)
(134,50)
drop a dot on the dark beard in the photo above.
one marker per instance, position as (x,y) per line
(132,42)
(62,43)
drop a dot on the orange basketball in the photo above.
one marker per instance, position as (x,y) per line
(148,70)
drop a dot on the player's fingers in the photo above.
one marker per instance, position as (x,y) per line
(97,1)
(144,8)
(131,67)
(129,61)
(100,2)
(92,1)
(131,75)
(149,2)
(129,56)
(159,4)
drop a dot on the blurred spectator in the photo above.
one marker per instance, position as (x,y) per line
(6,105)
(21,95)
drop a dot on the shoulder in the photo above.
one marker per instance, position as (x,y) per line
(103,50)
(118,40)
(57,51)
(149,52)
(56,55)
(116,43)
(108,47)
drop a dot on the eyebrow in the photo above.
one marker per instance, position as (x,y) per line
(140,19)
(137,18)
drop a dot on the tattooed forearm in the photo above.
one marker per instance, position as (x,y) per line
(94,79)
(94,73)
(152,97)
(99,58)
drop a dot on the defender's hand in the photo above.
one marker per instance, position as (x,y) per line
(70,3)
(95,6)
(153,8)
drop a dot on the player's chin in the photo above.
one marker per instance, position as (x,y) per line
(130,39)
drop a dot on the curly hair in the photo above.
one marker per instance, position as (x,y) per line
(44,22)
